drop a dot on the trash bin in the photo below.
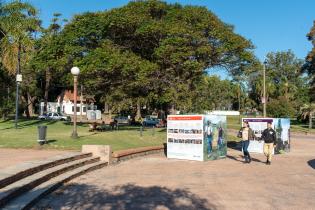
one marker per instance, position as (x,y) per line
(42,130)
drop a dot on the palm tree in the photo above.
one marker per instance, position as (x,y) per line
(18,22)
(308,110)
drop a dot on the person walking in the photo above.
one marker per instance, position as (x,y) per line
(246,133)
(269,137)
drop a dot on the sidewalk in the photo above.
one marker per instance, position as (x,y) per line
(158,183)
(11,157)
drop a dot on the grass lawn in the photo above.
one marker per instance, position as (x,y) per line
(58,136)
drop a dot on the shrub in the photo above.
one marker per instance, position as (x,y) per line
(280,107)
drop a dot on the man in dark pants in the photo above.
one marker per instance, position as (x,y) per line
(269,137)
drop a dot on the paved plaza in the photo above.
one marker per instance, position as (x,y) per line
(14,157)
(154,182)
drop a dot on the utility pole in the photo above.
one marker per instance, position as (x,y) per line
(264,100)
(239,103)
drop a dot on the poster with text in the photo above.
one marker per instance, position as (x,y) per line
(185,137)
(215,137)
(258,125)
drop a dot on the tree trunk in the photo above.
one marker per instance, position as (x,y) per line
(47,86)
(138,115)
(173,109)
(106,108)
(109,112)
(30,104)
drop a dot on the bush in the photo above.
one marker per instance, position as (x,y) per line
(280,108)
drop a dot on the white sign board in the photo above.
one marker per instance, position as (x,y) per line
(258,125)
(185,137)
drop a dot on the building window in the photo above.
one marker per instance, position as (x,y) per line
(84,109)
(78,109)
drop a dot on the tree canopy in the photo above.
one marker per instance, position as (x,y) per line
(147,54)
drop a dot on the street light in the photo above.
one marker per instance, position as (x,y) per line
(75,71)
(18,81)
(264,100)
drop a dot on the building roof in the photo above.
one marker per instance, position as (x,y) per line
(68,95)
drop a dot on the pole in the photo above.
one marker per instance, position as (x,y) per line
(239,103)
(264,100)
(17,89)
(81,98)
(75,93)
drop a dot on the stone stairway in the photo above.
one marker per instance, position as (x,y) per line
(21,186)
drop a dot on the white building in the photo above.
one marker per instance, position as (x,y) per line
(65,104)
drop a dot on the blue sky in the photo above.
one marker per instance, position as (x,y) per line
(272,25)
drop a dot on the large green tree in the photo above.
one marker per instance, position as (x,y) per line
(180,42)
(310,61)
(18,23)
(48,61)
(216,94)
(284,81)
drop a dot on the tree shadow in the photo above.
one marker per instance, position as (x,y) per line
(162,130)
(236,145)
(91,134)
(124,197)
(5,121)
(29,123)
(311,163)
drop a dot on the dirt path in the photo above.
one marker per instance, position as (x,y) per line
(155,182)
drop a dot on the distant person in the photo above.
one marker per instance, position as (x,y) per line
(209,136)
(246,133)
(269,137)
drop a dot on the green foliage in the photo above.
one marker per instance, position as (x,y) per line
(6,96)
(214,93)
(284,78)
(151,50)
(18,22)
(280,108)
(310,62)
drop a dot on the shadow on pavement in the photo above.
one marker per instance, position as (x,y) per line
(233,158)
(236,145)
(311,163)
(242,160)
(129,196)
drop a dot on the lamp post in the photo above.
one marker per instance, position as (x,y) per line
(18,81)
(264,100)
(75,72)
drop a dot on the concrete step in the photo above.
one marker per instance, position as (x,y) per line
(27,200)
(20,171)
(24,185)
